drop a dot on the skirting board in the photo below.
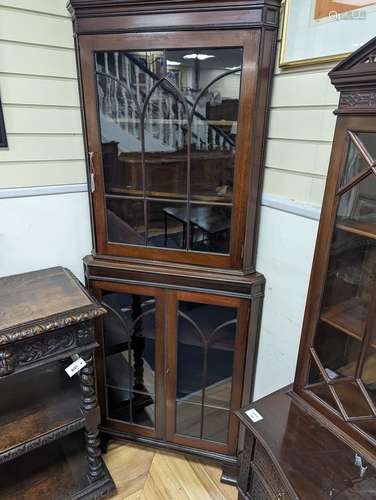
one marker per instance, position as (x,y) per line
(268,200)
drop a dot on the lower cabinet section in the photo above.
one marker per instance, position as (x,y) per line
(171,364)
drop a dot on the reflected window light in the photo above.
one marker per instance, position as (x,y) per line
(200,57)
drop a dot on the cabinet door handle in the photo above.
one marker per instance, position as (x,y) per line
(91,171)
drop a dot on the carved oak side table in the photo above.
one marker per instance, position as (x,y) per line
(49,444)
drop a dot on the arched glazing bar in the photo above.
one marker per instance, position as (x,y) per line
(169,87)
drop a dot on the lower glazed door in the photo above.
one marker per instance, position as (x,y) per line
(130,360)
(171,364)
(205,360)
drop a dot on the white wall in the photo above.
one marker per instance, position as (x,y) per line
(39,90)
(299,143)
(43,231)
(285,252)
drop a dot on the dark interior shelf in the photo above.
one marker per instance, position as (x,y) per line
(57,471)
(366,229)
(349,317)
(48,409)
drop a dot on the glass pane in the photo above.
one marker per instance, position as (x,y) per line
(167,224)
(119,117)
(220,355)
(205,357)
(355,165)
(161,113)
(210,228)
(214,140)
(347,298)
(140,410)
(369,141)
(166,133)
(129,344)
(338,353)
(351,274)
(166,174)
(125,221)
(188,419)
(216,422)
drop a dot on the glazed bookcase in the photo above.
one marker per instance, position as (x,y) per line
(337,362)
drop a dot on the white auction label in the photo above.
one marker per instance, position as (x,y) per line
(254,415)
(75,367)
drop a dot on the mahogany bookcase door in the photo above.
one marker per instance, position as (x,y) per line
(336,370)
(205,362)
(130,359)
(175,121)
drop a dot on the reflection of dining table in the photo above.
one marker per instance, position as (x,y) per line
(211,220)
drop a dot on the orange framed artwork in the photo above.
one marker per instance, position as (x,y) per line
(325,8)
(317,31)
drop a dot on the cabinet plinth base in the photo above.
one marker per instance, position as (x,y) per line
(230,473)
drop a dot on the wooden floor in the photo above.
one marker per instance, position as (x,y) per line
(142,473)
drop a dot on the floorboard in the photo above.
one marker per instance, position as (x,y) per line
(143,473)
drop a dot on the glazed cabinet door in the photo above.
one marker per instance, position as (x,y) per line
(168,127)
(206,349)
(341,368)
(131,358)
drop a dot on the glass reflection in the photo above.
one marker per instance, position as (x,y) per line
(355,165)
(167,224)
(125,221)
(210,228)
(352,267)
(129,345)
(168,121)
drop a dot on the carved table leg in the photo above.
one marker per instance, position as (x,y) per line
(90,409)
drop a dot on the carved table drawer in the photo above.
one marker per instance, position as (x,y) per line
(263,466)
(43,347)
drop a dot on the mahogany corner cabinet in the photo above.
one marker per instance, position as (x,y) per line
(175,102)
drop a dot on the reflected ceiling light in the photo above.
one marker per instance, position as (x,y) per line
(233,68)
(200,57)
(173,63)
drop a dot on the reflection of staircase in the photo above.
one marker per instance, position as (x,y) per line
(123,85)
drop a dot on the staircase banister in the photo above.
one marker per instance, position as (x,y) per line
(196,113)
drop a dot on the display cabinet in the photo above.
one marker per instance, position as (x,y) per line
(175,98)
(336,371)
(175,103)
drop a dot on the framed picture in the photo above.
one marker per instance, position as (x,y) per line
(3,134)
(317,31)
